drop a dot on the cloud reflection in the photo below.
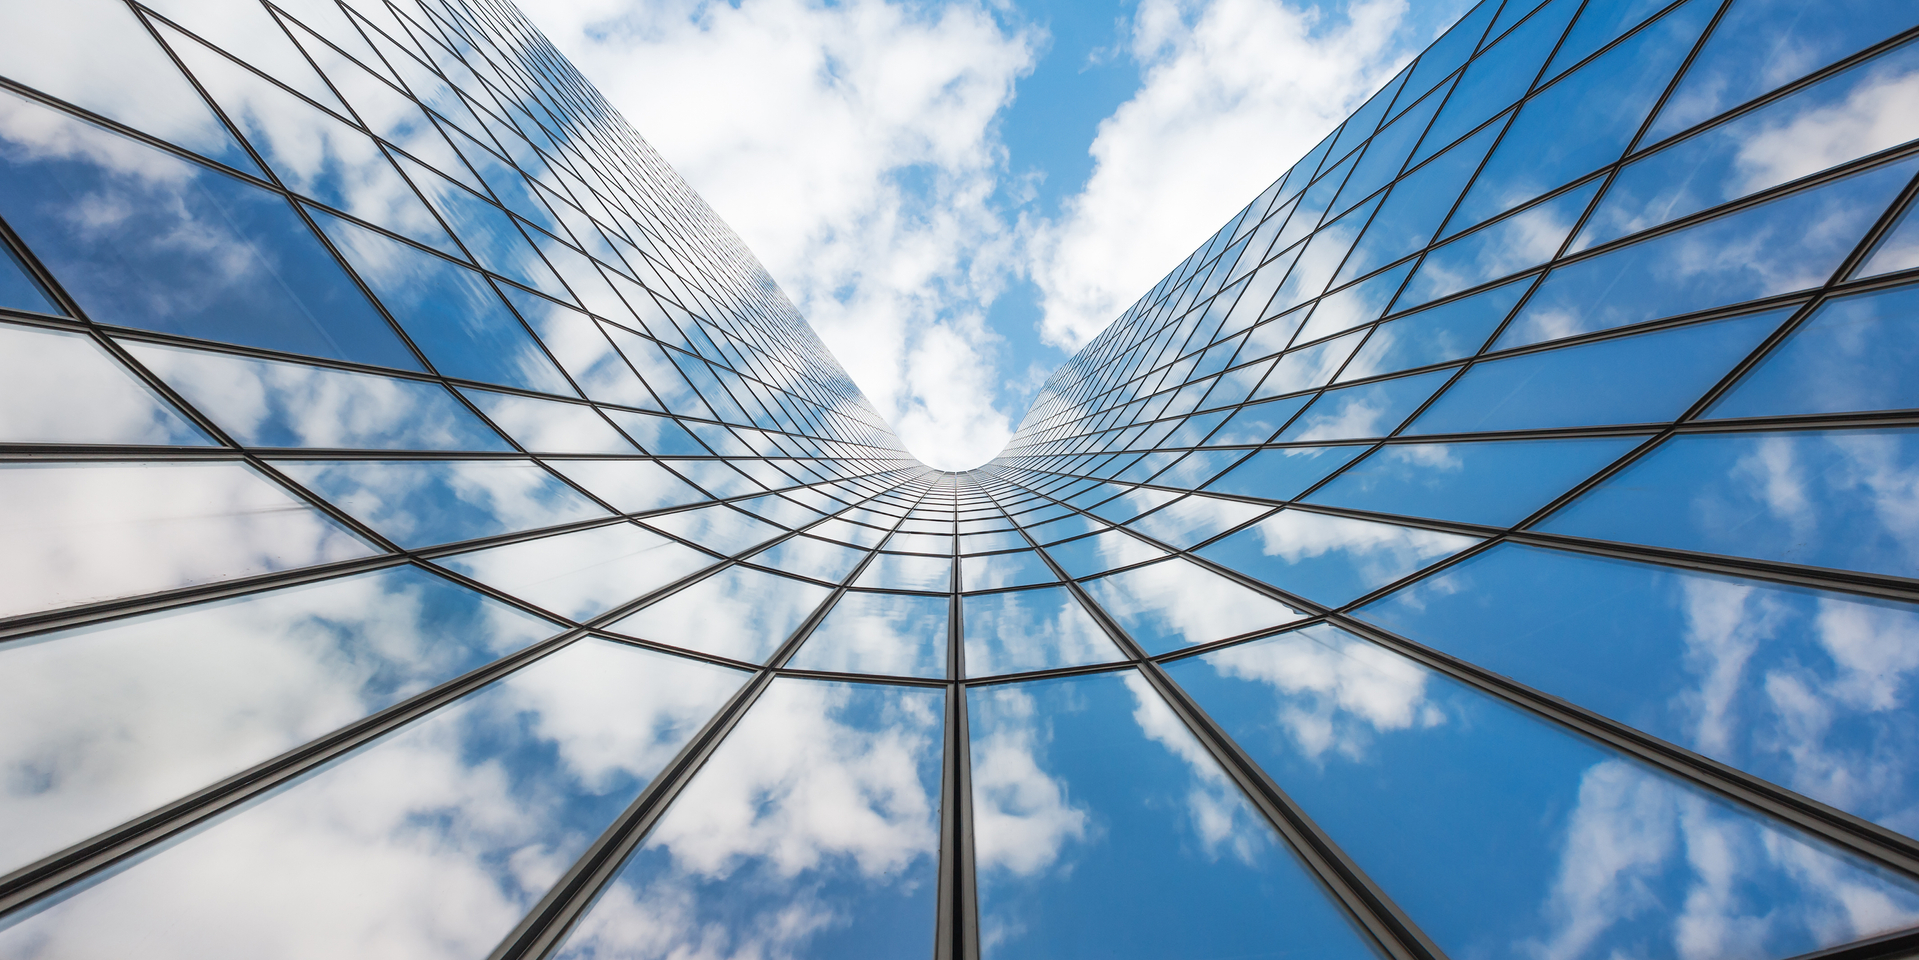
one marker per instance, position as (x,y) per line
(812,831)
(430,843)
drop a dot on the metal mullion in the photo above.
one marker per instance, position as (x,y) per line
(1365,902)
(545,928)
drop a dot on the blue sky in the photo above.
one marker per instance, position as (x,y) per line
(958,194)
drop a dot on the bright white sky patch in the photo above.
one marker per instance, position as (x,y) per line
(910,173)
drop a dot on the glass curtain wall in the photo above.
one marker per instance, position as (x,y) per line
(430,533)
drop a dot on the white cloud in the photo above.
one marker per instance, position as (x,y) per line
(854,147)
(1233,91)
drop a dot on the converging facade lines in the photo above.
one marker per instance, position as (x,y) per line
(432,534)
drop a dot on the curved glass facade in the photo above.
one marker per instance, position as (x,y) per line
(430,533)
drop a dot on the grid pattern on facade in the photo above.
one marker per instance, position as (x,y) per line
(433,534)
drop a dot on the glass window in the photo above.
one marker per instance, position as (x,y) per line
(1762,44)
(1499,833)
(82,533)
(811,557)
(452,313)
(269,403)
(899,571)
(1194,518)
(1496,483)
(1036,629)
(178,247)
(1519,242)
(1434,335)
(1368,410)
(549,426)
(1805,688)
(881,633)
(1853,353)
(1844,117)
(1176,603)
(749,839)
(1328,559)
(418,503)
(1285,472)
(1102,552)
(61,387)
(1722,261)
(1584,120)
(458,822)
(634,486)
(1102,828)
(1827,498)
(585,573)
(719,528)
(97,55)
(1646,378)
(739,612)
(992,571)
(141,711)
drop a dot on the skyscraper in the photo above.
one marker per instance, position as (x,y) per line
(430,533)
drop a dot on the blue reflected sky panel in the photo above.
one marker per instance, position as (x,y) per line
(1497,484)
(252,272)
(1646,378)
(1764,495)
(1328,559)
(1177,603)
(1102,828)
(1503,836)
(1763,44)
(434,839)
(1852,114)
(1808,689)
(881,633)
(418,503)
(813,831)
(142,711)
(739,612)
(1851,354)
(585,573)
(58,386)
(271,403)
(1023,630)
(87,532)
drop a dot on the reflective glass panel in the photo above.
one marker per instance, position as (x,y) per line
(1030,630)
(178,247)
(1763,495)
(1434,335)
(418,503)
(739,612)
(80,533)
(1328,559)
(1498,483)
(270,403)
(1102,552)
(899,571)
(883,633)
(431,842)
(634,485)
(549,426)
(721,529)
(811,557)
(1639,379)
(1503,836)
(108,721)
(1283,473)
(991,571)
(585,573)
(1102,828)
(61,387)
(1176,603)
(1853,353)
(751,840)
(1805,688)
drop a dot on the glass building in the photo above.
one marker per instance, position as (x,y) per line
(430,533)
